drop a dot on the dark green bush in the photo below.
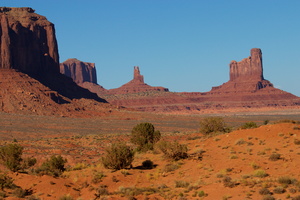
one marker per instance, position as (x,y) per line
(145,136)
(249,125)
(147,164)
(118,156)
(213,125)
(11,156)
(173,150)
(54,166)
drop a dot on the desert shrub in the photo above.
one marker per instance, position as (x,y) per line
(275,157)
(173,150)
(286,180)
(227,182)
(264,191)
(97,177)
(20,193)
(297,142)
(296,197)
(260,173)
(54,166)
(213,125)
(11,156)
(28,162)
(249,125)
(147,164)
(181,184)
(266,122)
(33,197)
(171,167)
(66,197)
(101,191)
(6,182)
(118,156)
(268,197)
(279,190)
(145,136)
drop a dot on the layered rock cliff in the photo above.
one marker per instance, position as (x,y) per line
(28,42)
(79,71)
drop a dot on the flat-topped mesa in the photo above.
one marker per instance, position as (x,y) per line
(250,68)
(79,71)
(28,42)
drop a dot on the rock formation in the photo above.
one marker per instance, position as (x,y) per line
(136,85)
(30,80)
(246,89)
(79,71)
(28,42)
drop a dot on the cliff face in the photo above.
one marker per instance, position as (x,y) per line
(28,42)
(79,71)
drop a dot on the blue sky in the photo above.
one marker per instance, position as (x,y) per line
(184,45)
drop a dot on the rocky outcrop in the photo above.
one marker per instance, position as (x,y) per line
(28,42)
(136,85)
(245,76)
(79,71)
(250,68)
(246,89)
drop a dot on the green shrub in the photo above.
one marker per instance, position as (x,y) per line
(97,178)
(20,193)
(260,173)
(213,125)
(147,164)
(268,197)
(286,180)
(11,156)
(66,197)
(54,166)
(264,191)
(249,125)
(173,150)
(279,190)
(145,136)
(118,156)
(181,184)
(28,162)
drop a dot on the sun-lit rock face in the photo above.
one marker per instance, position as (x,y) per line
(28,42)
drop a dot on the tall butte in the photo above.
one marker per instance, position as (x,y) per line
(246,75)
(28,42)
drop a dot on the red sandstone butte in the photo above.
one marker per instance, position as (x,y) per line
(136,85)
(28,42)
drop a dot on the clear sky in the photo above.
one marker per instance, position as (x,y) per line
(184,45)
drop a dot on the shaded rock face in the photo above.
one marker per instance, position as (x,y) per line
(28,42)
(79,71)
(136,85)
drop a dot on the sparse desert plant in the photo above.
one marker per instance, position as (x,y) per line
(145,136)
(28,162)
(268,197)
(118,156)
(213,125)
(173,150)
(297,142)
(181,184)
(249,125)
(264,191)
(255,166)
(6,182)
(279,190)
(275,157)
(11,156)
(171,167)
(260,173)
(20,193)
(147,164)
(97,177)
(66,197)
(240,141)
(266,122)
(54,166)
(286,180)
(227,182)
(101,191)
(296,197)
